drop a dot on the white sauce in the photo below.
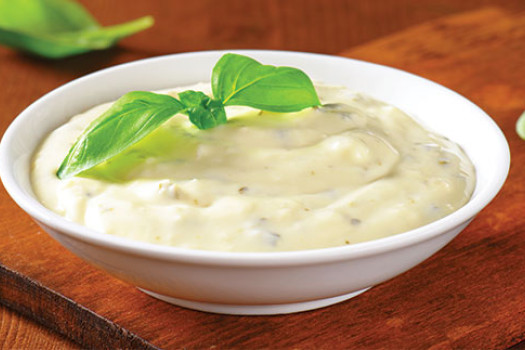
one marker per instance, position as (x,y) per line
(351,171)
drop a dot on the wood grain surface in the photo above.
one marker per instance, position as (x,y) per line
(469,295)
(17,333)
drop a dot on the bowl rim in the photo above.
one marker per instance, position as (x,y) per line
(300,257)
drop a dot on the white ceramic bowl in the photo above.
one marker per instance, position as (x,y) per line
(258,283)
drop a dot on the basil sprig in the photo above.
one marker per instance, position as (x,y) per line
(58,28)
(236,80)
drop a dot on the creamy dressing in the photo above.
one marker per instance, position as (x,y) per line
(353,170)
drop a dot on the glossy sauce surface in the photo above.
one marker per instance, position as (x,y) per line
(353,170)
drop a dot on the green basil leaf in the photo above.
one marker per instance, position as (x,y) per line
(44,16)
(203,111)
(58,28)
(241,80)
(127,121)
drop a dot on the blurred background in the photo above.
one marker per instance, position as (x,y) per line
(323,26)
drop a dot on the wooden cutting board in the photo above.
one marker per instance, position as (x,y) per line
(471,294)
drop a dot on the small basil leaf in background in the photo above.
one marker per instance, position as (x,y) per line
(58,28)
(520,126)
(203,111)
(127,121)
(45,16)
(241,80)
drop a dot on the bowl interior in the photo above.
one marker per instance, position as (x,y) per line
(439,108)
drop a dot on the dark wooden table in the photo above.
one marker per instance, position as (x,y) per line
(469,295)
